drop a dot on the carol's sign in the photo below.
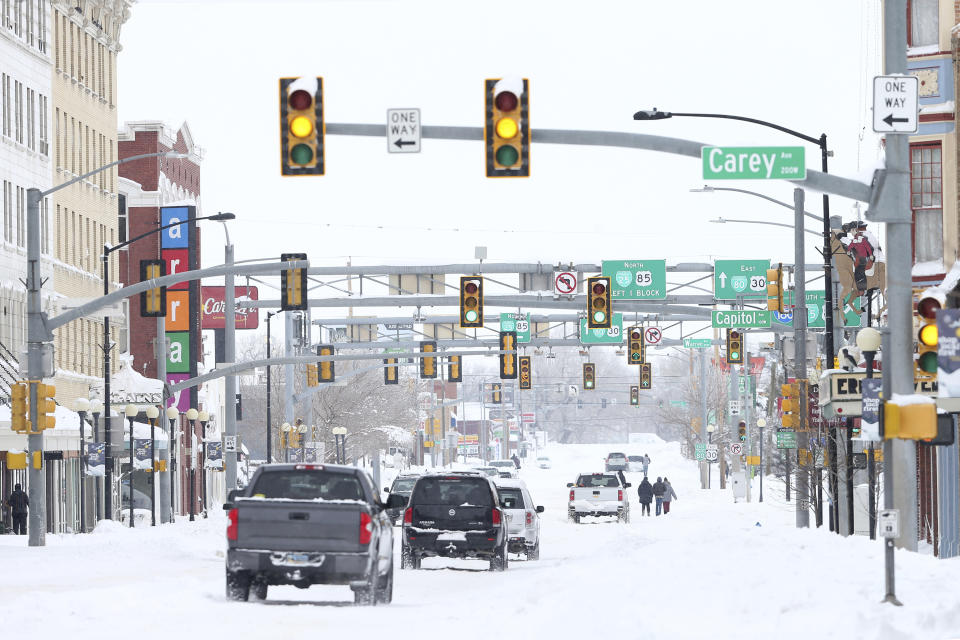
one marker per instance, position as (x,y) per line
(213,308)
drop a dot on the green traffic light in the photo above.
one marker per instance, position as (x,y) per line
(599,316)
(507,155)
(301,154)
(470,316)
(928,362)
(734,355)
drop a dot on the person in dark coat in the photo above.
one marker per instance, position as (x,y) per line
(516,460)
(658,494)
(18,503)
(645,493)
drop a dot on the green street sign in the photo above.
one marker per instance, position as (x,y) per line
(519,322)
(636,279)
(700,450)
(678,403)
(741,319)
(753,163)
(613,335)
(786,439)
(697,343)
(746,278)
(816,311)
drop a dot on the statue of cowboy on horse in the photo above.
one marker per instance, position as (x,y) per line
(865,270)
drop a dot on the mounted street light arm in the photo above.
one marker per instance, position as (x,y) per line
(166,154)
(772,224)
(710,189)
(217,217)
(663,115)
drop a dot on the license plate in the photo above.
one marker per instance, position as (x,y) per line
(296,558)
(596,494)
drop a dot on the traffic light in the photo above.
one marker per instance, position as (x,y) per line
(495,395)
(428,364)
(589,376)
(454,372)
(301,126)
(734,347)
(775,289)
(526,380)
(471,301)
(293,284)
(636,347)
(742,431)
(390,373)
(19,420)
(153,302)
(46,406)
(507,127)
(635,395)
(791,405)
(646,375)
(599,314)
(327,370)
(508,361)
(313,376)
(927,335)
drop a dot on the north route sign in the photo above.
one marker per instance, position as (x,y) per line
(753,163)
(740,278)
(739,319)
(636,279)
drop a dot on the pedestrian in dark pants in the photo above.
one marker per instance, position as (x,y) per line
(658,494)
(18,503)
(668,495)
(645,493)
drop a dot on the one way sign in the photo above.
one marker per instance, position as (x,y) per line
(895,104)
(403,130)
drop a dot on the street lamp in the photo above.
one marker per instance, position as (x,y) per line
(340,443)
(772,224)
(868,341)
(172,414)
(131,412)
(191,416)
(96,406)
(81,406)
(152,413)
(204,418)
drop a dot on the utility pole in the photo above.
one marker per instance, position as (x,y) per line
(800,357)
(230,381)
(37,522)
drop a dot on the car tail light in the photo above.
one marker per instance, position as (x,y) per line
(529,518)
(408,516)
(366,528)
(620,495)
(495,515)
(571,495)
(309,467)
(233,527)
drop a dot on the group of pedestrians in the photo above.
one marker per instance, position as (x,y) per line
(660,491)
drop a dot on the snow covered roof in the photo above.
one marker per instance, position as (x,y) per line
(128,386)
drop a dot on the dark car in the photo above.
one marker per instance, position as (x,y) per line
(398,494)
(454,515)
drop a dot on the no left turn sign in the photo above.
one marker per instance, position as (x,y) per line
(565,283)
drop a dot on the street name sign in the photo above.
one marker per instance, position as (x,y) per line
(519,322)
(403,130)
(786,438)
(743,278)
(602,336)
(697,343)
(753,163)
(636,279)
(740,319)
(895,104)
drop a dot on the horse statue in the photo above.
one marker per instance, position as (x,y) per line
(876,277)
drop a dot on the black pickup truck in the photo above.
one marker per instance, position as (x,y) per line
(454,515)
(305,524)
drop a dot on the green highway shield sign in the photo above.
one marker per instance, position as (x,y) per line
(816,311)
(519,322)
(753,163)
(733,278)
(613,335)
(636,279)
(697,343)
(740,319)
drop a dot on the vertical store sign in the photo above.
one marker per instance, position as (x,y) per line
(178,249)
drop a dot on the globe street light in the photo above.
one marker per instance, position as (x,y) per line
(204,418)
(96,407)
(131,412)
(172,414)
(868,341)
(152,413)
(191,417)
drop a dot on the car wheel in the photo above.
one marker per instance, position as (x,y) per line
(259,588)
(533,553)
(499,560)
(385,587)
(406,558)
(238,586)
(576,519)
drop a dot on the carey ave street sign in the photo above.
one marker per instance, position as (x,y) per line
(895,104)
(636,279)
(747,278)
(740,319)
(753,163)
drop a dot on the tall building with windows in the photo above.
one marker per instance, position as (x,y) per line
(25,90)
(86,42)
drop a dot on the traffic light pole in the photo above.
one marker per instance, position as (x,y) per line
(230,382)
(800,359)
(36,336)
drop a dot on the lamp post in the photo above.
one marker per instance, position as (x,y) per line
(302,430)
(761,423)
(96,406)
(152,413)
(270,314)
(285,440)
(172,415)
(203,417)
(131,412)
(340,443)
(868,341)
(81,406)
(191,417)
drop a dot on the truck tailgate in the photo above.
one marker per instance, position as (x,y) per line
(294,525)
(447,518)
(597,494)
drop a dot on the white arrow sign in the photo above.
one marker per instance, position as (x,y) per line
(895,104)
(403,130)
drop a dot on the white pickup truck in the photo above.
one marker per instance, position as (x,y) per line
(598,494)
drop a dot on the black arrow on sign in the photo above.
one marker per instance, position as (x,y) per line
(890,120)
(401,143)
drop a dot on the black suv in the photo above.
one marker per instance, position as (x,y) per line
(454,515)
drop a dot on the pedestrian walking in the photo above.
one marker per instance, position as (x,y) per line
(18,503)
(658,494)
(646,463)
(645,493)
(516,460)
(668,495)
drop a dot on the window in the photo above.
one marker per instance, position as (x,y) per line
(18,111)
(456,490)
(44,126)
(926,201)
(31,120)
(42,26)
(21,217)
(29,20)
(511,498)
(923,23)
(59,222)
(5,105)
(122,217)
(7,211)
(304,484)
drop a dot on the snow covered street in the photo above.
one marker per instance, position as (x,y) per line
(711,568)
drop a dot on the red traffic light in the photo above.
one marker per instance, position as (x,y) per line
(928,307)
(734,335)
(470,287)
(635,335)
(506,101)
(299,100)
(599,288)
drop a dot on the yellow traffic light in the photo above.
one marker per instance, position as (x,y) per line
(636,347)
(471,301)
(327,372)
(301,126)
(19,420)
(153,302)
(646,376)
(428,364)
(508,361)
(46,406)
(313,376)
(507,127)
(495,397)
(390,373)
(791,404)
(928,335)
(293,284)
(775,289)
(589,376)
(734,347)
(526,380)
(454,372)
(915,421)
(599,311)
